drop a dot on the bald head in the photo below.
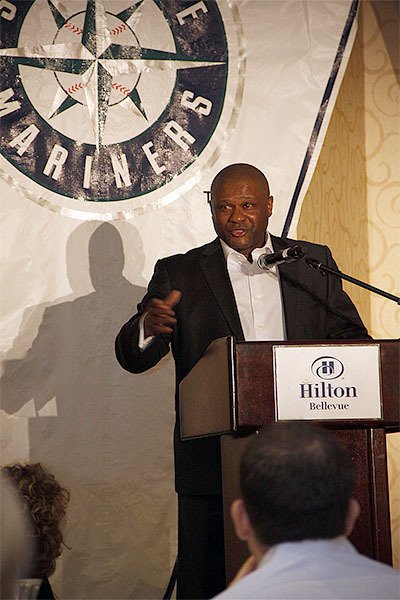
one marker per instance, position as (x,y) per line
(239,171)
(241,206)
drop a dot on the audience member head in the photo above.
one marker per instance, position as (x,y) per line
(45,502)
(296,483)
(16,548)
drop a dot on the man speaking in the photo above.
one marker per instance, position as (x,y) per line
(215,291)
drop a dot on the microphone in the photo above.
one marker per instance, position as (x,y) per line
(287,255)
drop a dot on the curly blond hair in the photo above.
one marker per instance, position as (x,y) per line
(46,502)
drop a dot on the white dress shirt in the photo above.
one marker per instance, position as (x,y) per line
(257,294)
(316,570)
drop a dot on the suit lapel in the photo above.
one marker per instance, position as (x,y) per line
(212,262)
(289,295)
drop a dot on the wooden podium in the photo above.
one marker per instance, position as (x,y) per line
(230,393)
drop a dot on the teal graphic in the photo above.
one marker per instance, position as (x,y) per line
(105,100)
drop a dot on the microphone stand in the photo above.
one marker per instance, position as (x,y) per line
(316,264)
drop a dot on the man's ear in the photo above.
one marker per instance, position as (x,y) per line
(270,204)
(240,519)
(210,204)
(353,512)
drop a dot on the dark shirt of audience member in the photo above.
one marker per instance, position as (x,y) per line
(45,502)
(295,512)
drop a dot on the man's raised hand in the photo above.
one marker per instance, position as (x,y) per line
(160,316)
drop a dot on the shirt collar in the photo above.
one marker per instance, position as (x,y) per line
(307,548)
(230,252)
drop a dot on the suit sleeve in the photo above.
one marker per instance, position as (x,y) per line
(343,321)
(127,350)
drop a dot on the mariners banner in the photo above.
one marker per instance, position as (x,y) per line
(112,106)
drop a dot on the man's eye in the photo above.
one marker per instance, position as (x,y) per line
(225,207)
(248,205)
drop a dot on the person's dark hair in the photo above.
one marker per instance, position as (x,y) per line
(296,482)
(45,502)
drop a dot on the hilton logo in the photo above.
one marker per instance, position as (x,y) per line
(327,368)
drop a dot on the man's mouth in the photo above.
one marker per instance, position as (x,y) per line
(238,232)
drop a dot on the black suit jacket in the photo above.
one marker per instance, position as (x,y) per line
(315,307)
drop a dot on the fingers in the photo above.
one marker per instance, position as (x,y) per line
(160,317)
(173,297)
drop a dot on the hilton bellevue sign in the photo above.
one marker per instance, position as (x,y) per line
(327,382)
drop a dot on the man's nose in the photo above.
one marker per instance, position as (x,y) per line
(237,215)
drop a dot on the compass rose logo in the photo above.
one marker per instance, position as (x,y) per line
(107,100)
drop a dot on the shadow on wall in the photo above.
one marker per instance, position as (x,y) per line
(106,434)
(388,15)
